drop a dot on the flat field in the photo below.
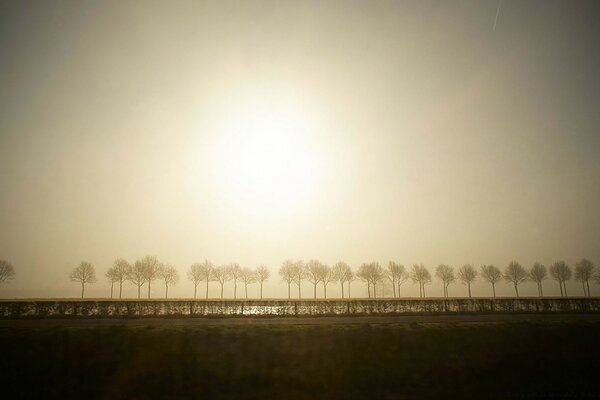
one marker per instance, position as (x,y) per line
(496,357)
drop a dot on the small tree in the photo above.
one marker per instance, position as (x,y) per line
(199,273)
(363,275)
(287,274)
(121,270)
(492,274)
(421,274)
(235,272)
(262,274)
(340,274)
(516,274)
(446,275)
(111,275)
(584,271)
(221,274)
(561,272)
(247,276)
(394,273)
(325,276)
(537,274)
(137,275)
(84,273)
(467,275)
(151,268)
(299,274)
(7,271)
(311,271)
(371,273)
(169,276)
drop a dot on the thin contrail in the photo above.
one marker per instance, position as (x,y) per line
(497,13)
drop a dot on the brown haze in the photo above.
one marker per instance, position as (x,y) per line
(254,132)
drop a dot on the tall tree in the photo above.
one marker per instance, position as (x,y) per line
(420,274)
(584,271)
(446,275)
(151,268)
(262,274)
(394,273)
(538,274)
(83,273)
(169,276)
(516,274)
(287,274)
(561,272)
(340,274)
(247,276)
(137,275)
(221,274)
(121,270)
(326,277)
(7,271)
(234,271)
(311,271)
(111,275)
(492,274)
(467,275)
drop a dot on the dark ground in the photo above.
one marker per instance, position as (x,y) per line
(498,357)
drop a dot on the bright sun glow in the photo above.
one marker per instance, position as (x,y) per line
(266,160)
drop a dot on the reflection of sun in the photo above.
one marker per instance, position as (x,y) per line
(264,159)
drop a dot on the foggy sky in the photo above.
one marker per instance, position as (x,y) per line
(446,141)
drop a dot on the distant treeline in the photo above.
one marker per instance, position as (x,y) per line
(149,269)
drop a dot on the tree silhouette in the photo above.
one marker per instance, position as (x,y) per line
(363,275)
(516,274)
(350,277)
(169,276)
(561,272)
(492,274)
(311,271)
(151,268)
(395,272)
(111,275)
(199,273)
(340,273)
(584,271)
(467,275)
(325,276)
(537,274)
(446,275)
(221,274)
(299,274)
(137,275)
(234,271)
(420,274)
(84,273)
(7,271)
(121,269)
(262,274)
(287,274)
(247,276)
(371,273)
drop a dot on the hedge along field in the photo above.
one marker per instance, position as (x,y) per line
(533,359)
(17,309)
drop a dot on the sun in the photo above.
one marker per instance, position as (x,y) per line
(266,158)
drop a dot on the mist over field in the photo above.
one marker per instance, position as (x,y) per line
(433,132)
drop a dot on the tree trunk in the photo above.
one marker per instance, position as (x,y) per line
(112,283)
(139,290)
(299,292)
(82,289)
(424,291)
(222,284)
(469,285)
(517,290)
(561,291)
(166,291)
(207,287)
(394,287)
(494,289)
(261,283)
(342,290)
(246,288)
(582,285)
(324,290)
(369,289)
(349,289)
(235,288)
(315,289)
(587,283)
(120,289)
(149,288)
(420,290)
(289,290)
(374,290)
(541,290)
(195,290)
(565,285)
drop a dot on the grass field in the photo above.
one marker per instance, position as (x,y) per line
(508,359)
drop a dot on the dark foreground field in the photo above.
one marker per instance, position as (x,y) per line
(378,358)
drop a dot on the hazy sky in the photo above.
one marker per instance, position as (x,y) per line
(256,131)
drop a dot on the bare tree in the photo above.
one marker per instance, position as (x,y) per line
(421,274)
(561,272)
(299,274)
(584,271)
(467,275)
(350,277)
(446,275)
(492,274)
(151,268)
(84,273)
(221,274)
(169,276)
(340,274)
(121,270)
(137,275)
(262,274)
(111,275)
(402,278)
(7,271)
(247,276)
(311,271)
(363,275)
(537,274)
(326,277)
(199,273)
(235,272)
(394,272)
(287,273)
(516,274)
